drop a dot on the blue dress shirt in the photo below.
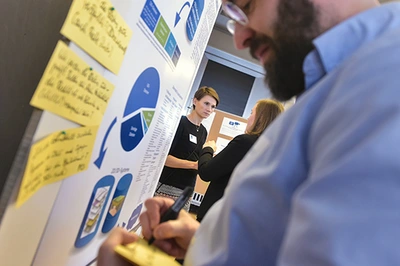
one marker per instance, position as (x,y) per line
(321,187)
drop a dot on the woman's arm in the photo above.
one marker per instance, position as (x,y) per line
(212,168)
(174,162)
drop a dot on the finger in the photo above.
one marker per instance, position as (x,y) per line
(153,211)
(170,229)
(164,245)
(170,247)
(145,224)
(155,207)
(120,236)
(181,228)
(151,217)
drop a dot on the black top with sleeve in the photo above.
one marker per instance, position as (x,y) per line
(218,169)
(183,148)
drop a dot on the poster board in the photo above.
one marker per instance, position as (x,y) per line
(69,219)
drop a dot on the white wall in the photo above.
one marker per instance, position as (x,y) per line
(259,91)
(196,85)
(224,42)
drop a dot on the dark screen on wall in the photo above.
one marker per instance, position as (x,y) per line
(233,86)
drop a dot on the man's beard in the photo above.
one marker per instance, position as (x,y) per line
(296,27)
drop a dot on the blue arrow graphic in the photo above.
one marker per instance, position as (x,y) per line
(103,151)
(178,15)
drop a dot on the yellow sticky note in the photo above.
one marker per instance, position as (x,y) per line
(98,29)
(56,157)
(143,254)
(71,89)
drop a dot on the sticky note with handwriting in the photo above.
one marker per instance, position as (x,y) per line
(143,254)
(72,89)
(56,157)
(99,29)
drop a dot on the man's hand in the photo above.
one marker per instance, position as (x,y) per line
(174,236)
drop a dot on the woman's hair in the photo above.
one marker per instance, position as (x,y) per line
(266,111)
(204,91)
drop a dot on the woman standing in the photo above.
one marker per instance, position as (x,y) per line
(180,168)
(218,169)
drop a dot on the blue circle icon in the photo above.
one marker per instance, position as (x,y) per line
(140,108)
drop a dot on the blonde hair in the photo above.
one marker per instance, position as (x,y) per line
(266,112)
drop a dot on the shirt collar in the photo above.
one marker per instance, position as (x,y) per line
(339,43)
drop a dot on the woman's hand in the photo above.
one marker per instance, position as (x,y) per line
(211,144)
(174,236)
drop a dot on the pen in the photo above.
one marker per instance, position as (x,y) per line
(173,211)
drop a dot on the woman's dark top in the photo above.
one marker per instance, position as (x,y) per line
(218,169)
(183,147)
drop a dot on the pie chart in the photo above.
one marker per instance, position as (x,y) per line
(140,108)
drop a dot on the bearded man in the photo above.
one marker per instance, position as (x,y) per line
(322,184)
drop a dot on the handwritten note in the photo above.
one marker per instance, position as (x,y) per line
(99,30)
(143,254)
(56,157)
(71,89)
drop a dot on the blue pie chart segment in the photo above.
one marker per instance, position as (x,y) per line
(131,132)
(144,92)
(136,121)
(144,125)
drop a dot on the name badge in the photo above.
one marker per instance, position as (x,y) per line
(193,138)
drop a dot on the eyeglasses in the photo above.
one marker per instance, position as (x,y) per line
(235,13)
